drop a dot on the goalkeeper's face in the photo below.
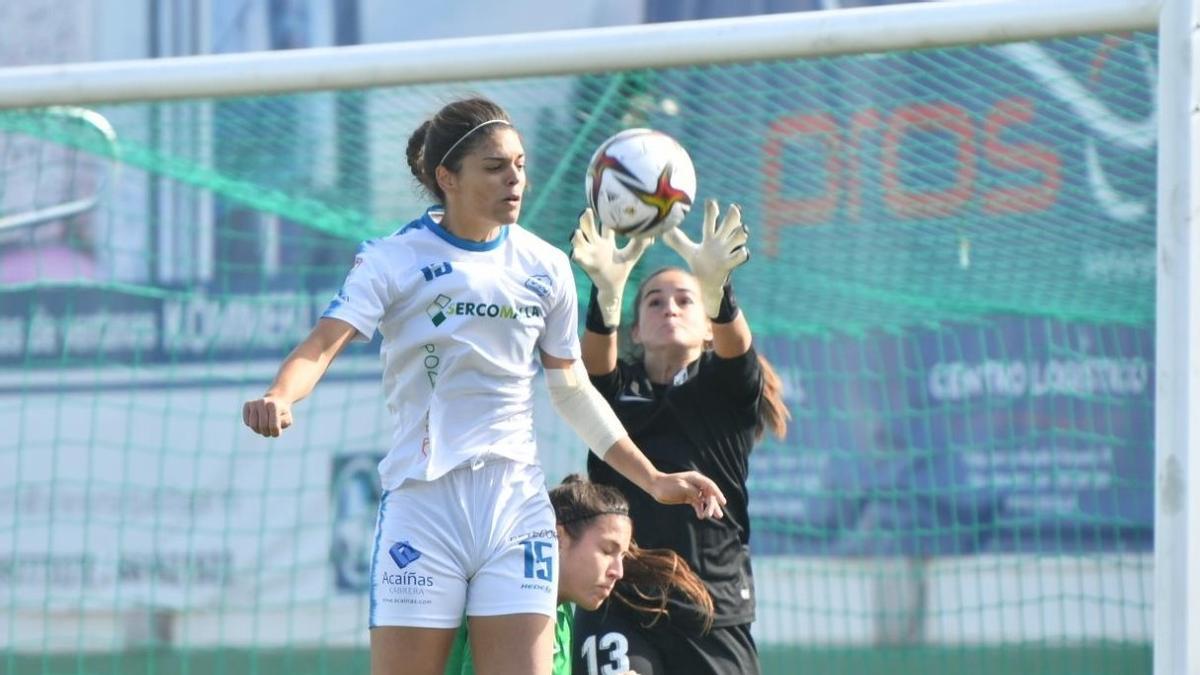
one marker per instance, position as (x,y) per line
(670,315)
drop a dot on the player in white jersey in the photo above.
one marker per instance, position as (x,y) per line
(468,303)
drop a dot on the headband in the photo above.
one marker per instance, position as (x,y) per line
(575,515)
(464,137)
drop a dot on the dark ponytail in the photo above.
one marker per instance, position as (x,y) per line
(773,413)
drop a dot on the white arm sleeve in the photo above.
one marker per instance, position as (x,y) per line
(578,402)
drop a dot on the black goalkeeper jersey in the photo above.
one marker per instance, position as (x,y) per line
(704,422)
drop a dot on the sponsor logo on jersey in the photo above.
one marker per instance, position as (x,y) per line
(444,307)
(404,587)
(437,309)
(409,579)
(403,553)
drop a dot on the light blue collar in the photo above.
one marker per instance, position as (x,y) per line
(465,244)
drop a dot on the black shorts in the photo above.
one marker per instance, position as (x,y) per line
(607,643)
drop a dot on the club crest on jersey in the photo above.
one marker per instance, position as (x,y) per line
(633,394)
(540,284)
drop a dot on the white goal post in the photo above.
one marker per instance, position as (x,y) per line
(1177,339)
(859,30)
(915,26)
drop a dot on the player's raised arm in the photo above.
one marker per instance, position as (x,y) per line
(721,250)
(270,414)
(608,267)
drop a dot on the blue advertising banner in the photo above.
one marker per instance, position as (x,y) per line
(63,326)
(1010,435)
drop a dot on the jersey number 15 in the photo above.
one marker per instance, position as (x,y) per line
(539,560)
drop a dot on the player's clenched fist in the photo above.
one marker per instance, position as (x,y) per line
(267,416)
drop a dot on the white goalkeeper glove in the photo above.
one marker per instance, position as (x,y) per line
(606,265)
(722,250)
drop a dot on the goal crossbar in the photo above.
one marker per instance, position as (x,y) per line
(799,34)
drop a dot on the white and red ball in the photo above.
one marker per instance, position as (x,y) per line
(640,183)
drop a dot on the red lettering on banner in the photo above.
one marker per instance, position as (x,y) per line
(908,203)
(848,147)
(800,210)
(863,121)
(1019,157)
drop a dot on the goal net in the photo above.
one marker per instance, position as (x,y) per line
(952,269)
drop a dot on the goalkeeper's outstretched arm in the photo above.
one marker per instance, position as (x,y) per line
(608,267)
(712,261)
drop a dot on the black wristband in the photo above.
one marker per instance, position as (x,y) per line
(728,310)
(595,321)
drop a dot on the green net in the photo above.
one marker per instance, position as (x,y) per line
(952,272)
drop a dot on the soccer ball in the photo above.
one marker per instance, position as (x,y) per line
(640,183)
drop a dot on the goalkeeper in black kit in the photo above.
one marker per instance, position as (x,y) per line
(696,397)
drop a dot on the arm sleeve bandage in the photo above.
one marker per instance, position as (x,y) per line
(578,402)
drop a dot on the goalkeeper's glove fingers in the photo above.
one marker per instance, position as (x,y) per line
(632,252)
(681,244)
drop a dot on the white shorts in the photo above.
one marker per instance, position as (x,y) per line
(479,540)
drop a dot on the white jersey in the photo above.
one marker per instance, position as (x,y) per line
(462,323)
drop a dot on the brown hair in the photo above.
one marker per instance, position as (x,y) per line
(651,575)
(773,413)
(772,410)
(448,136)
(578,501)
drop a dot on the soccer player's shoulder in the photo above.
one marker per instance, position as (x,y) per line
(394,251)
(533,246)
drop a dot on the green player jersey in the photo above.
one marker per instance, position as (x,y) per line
(460,662)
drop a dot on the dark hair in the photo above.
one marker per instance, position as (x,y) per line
(651,575)
(449,135)
(773,413)
(772,410)
(654,575)
(578,501)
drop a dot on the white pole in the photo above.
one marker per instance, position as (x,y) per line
(1177,342)
(857,30)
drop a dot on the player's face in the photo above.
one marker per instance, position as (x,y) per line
(592,564)
(670,314)
(489,185)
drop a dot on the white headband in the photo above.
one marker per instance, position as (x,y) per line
(464,137)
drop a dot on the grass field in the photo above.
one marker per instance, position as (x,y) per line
(1034,659)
